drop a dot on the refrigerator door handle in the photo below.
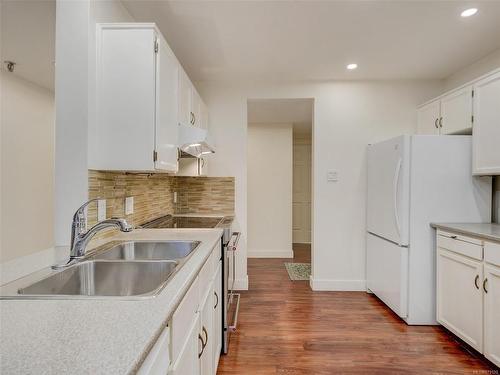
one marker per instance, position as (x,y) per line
(395,186)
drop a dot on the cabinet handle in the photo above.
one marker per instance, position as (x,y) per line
(475,282)
(191,115)
(206,336)
(485,283)
(216,300)
(194,119)
(440,122)
(454,237)
(436,123)
(202,346)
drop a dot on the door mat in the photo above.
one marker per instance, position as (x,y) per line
(298,271)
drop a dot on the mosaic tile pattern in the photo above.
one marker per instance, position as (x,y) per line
(205,195)
(154,196)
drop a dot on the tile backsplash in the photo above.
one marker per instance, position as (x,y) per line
(154,195)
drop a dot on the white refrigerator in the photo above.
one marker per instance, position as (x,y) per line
(414,181)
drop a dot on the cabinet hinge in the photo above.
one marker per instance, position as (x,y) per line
(155,155)
(156,46)
(472,93)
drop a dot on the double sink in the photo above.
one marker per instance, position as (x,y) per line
(129,269)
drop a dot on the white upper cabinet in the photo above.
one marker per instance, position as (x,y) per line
(450,114)
(456,111)
(136,100)
(185,92)
(192,109)
(486,132)
(428,118)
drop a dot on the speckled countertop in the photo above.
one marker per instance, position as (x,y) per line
(95,336)
(487,231)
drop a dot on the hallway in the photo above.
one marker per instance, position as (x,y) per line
(285,328)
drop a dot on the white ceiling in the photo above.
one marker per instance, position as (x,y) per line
(314,40)
(28,38)
(298,112)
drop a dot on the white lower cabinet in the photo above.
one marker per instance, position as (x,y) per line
(192,342)
(468,291)
(491,288)
(207,332)
(459,297)
(187,361)
(217,324)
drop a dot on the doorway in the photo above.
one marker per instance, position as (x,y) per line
(279,162)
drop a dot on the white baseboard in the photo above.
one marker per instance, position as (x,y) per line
(270,254)
(19,267)
(337,285)
(240,284)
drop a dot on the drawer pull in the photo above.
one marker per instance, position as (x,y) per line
(485,283)
(206,336)
(476,282)
(202,346)
(216,300)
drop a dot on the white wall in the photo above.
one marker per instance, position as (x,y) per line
(75,95)
(27,167)
(470,72)
(270,190)
(347,116)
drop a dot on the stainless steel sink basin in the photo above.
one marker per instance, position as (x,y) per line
(107,278)
(149,250)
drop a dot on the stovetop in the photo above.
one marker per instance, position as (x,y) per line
(183,222)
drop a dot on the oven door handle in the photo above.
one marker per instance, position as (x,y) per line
(232,245)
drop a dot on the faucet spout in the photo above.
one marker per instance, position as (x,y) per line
(81,240)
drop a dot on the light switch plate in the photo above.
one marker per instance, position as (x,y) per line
(129,205)
(332,176)
(101,209)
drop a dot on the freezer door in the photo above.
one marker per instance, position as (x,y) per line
(388,189)
(387,273)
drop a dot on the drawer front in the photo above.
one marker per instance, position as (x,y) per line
(216,257)
(183,318)
(459,246)
(492,253)
(460,237)
(205,276)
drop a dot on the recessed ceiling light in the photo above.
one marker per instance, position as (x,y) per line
(352,66)
(469,12)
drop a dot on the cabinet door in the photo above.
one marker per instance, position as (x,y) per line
(123,137)
(188,361)
(460,296)
(167,75)
(206,360)
(203,116)
(217,325)
(456,111)
(486,130)
(491,286)
(428,118)
(185,92)
(195,107)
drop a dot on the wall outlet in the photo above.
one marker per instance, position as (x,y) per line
(175,197)
(101,209)
(332,176)
(129,205)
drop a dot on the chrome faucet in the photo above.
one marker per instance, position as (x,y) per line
(80,237)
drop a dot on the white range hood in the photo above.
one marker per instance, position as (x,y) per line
(194,141)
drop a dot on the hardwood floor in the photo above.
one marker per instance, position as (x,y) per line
(285,328)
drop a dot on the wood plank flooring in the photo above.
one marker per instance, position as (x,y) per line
(285,328)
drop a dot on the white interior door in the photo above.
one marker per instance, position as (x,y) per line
(388,189)
(301,190)
(387,273)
